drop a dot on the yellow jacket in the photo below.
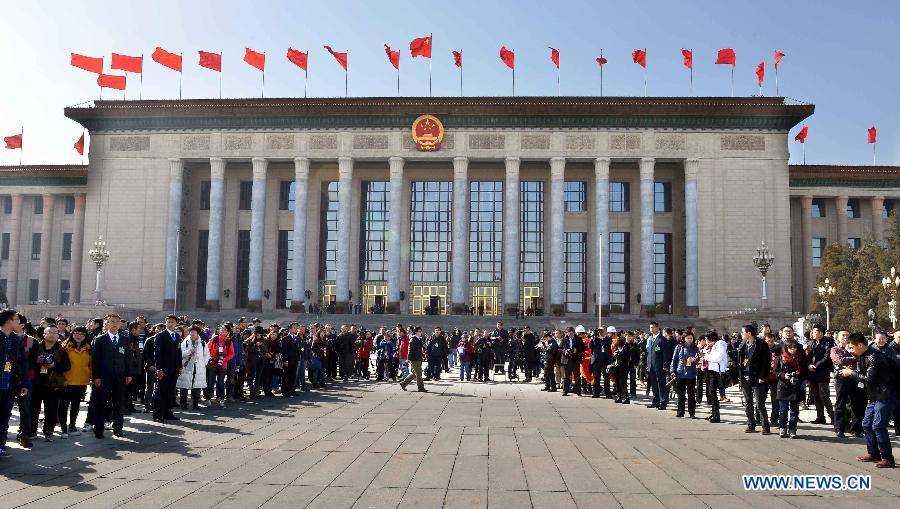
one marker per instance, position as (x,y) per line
(80,359)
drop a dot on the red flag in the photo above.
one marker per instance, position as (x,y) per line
(393,56)
(211,60)
(778,56)
(14,141)
(801,136)
(420,47)
(554,56)
(688,58)
(760,73)
(873,134)
(299,58)
(726,56)
(255,58)
(127,63)
(601,61)
(457,58)
(79,145)
(90,64)
(639,56)
(111,81)
(340,57)
(170,60)
(508,57)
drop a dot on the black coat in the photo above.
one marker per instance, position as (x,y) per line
(416,349)
(551,356)
(820,356)
(876,372)
(290,350)
(601,350)
(110,363)
(757,361)
(529,345)
(167,355)
(787,389)
(661,351)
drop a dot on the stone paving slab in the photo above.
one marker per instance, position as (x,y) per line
(370,445)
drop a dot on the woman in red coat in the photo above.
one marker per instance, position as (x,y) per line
(221,351)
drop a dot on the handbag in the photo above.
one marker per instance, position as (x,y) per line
(315,362)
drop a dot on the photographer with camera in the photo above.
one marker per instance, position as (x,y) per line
(790,371)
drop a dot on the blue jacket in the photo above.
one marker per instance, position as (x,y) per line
(238,360)
(386,348)
(679,361)
(659,352)
(11,351)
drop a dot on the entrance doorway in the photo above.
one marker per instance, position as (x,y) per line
(429,300)
(374,298)
(532,301)
(484,300)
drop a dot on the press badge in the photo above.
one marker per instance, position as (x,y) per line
(122,350)
(657,349)
(861,385)
(746,361)
(43,370)
(7,366)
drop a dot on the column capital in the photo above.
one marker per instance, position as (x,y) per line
(601,167)
(216,168)
(176,166)
(806,201)
(647,166)
(557,168)
(512,164)
(841,198)
(301,167)
(691,168)
(49,198)
(878,198)
(345,167)
(79,201)
(460,167)
(260,164)
(396,167)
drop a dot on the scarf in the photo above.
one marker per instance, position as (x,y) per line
(793,360)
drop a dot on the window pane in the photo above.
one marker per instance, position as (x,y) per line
(329,233)
(618,197)
(430,231)
(575,271)
(485,236)
(575,196)
(374,228)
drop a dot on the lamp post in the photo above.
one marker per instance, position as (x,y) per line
(763,261)
(826,291)
(99,255)
(892,285)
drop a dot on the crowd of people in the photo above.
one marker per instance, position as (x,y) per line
(51,367)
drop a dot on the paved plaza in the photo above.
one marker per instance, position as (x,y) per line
(369,444)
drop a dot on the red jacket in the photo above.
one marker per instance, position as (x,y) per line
(227,349)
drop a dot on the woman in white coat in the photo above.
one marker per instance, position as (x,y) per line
(194,357)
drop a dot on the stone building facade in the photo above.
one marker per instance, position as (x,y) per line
(535,204)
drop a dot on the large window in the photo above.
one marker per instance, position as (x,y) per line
(818,207)
(35,246)
(575,196)
(485,231)
(204,194)
(662,197)
(854,242)
(32,291)
(4,247)
(67,246)
(619,267)
(64,291)
(328,232)
(618,197)
(818,249)
(202,257)
(531,266)
(284,288)
(243,269)
(887,209)
(7,204)
(245,195)
(374,231)
(38,205)
(575,268)
(286,195)
(662,267)
(69,204)
(430,231)
(852,208)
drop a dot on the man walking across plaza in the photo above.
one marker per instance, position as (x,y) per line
(167,356)
(416,354)
(659,357)
(111,370)
(873,373)
(754,361)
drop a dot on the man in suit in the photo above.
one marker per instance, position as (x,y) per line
(167,356)
(659,357)
(573,348)
(754,362)
(820,368)
(416,354)
(601,356)
(111,368)
(551,358)
(290,355)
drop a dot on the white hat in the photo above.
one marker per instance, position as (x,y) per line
(611,329)
(579,329)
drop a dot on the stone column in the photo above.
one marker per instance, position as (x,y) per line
(395,220)
(691,291)
(806,238)
(648,287)
(46,237)
(298,270)
(345,189)
(459,273)
(15,222)
(512,245)
(601,229)
(257,233)
(557,237)
(173,229)
(77,250)
(216,225)
(877,220)
(840,204)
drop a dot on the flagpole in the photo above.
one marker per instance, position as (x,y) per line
(732,81)
(220,75)
(141,89)
(398,79)
(84,135)
(804,152)
(262,93)
(305,80)
(691,89)
(180,74)
(601,73)
(557,81)
(22,144)
(776,81)
(346,77)
(873,151)
(460,77)
(431,42)
(645,72)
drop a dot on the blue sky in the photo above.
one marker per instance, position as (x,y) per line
(841,56)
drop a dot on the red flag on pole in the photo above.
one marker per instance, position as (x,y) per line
(726,56)
(778,56)
(688,58)
(554,57)
(211,60)
(255,59)
(127,63)
(420,47)
(508,57)
(299,58)
(170,60)
(90,64)
(760,73)
(111,81)
(639,56)
(457,58)
(602,61)
(340,57)
(393,56)
(873,134)
(801,136)
(14,141)
(79,145)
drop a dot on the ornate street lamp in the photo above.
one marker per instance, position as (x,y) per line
(763,261)
(99,255)
(826,291)
(892,285)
